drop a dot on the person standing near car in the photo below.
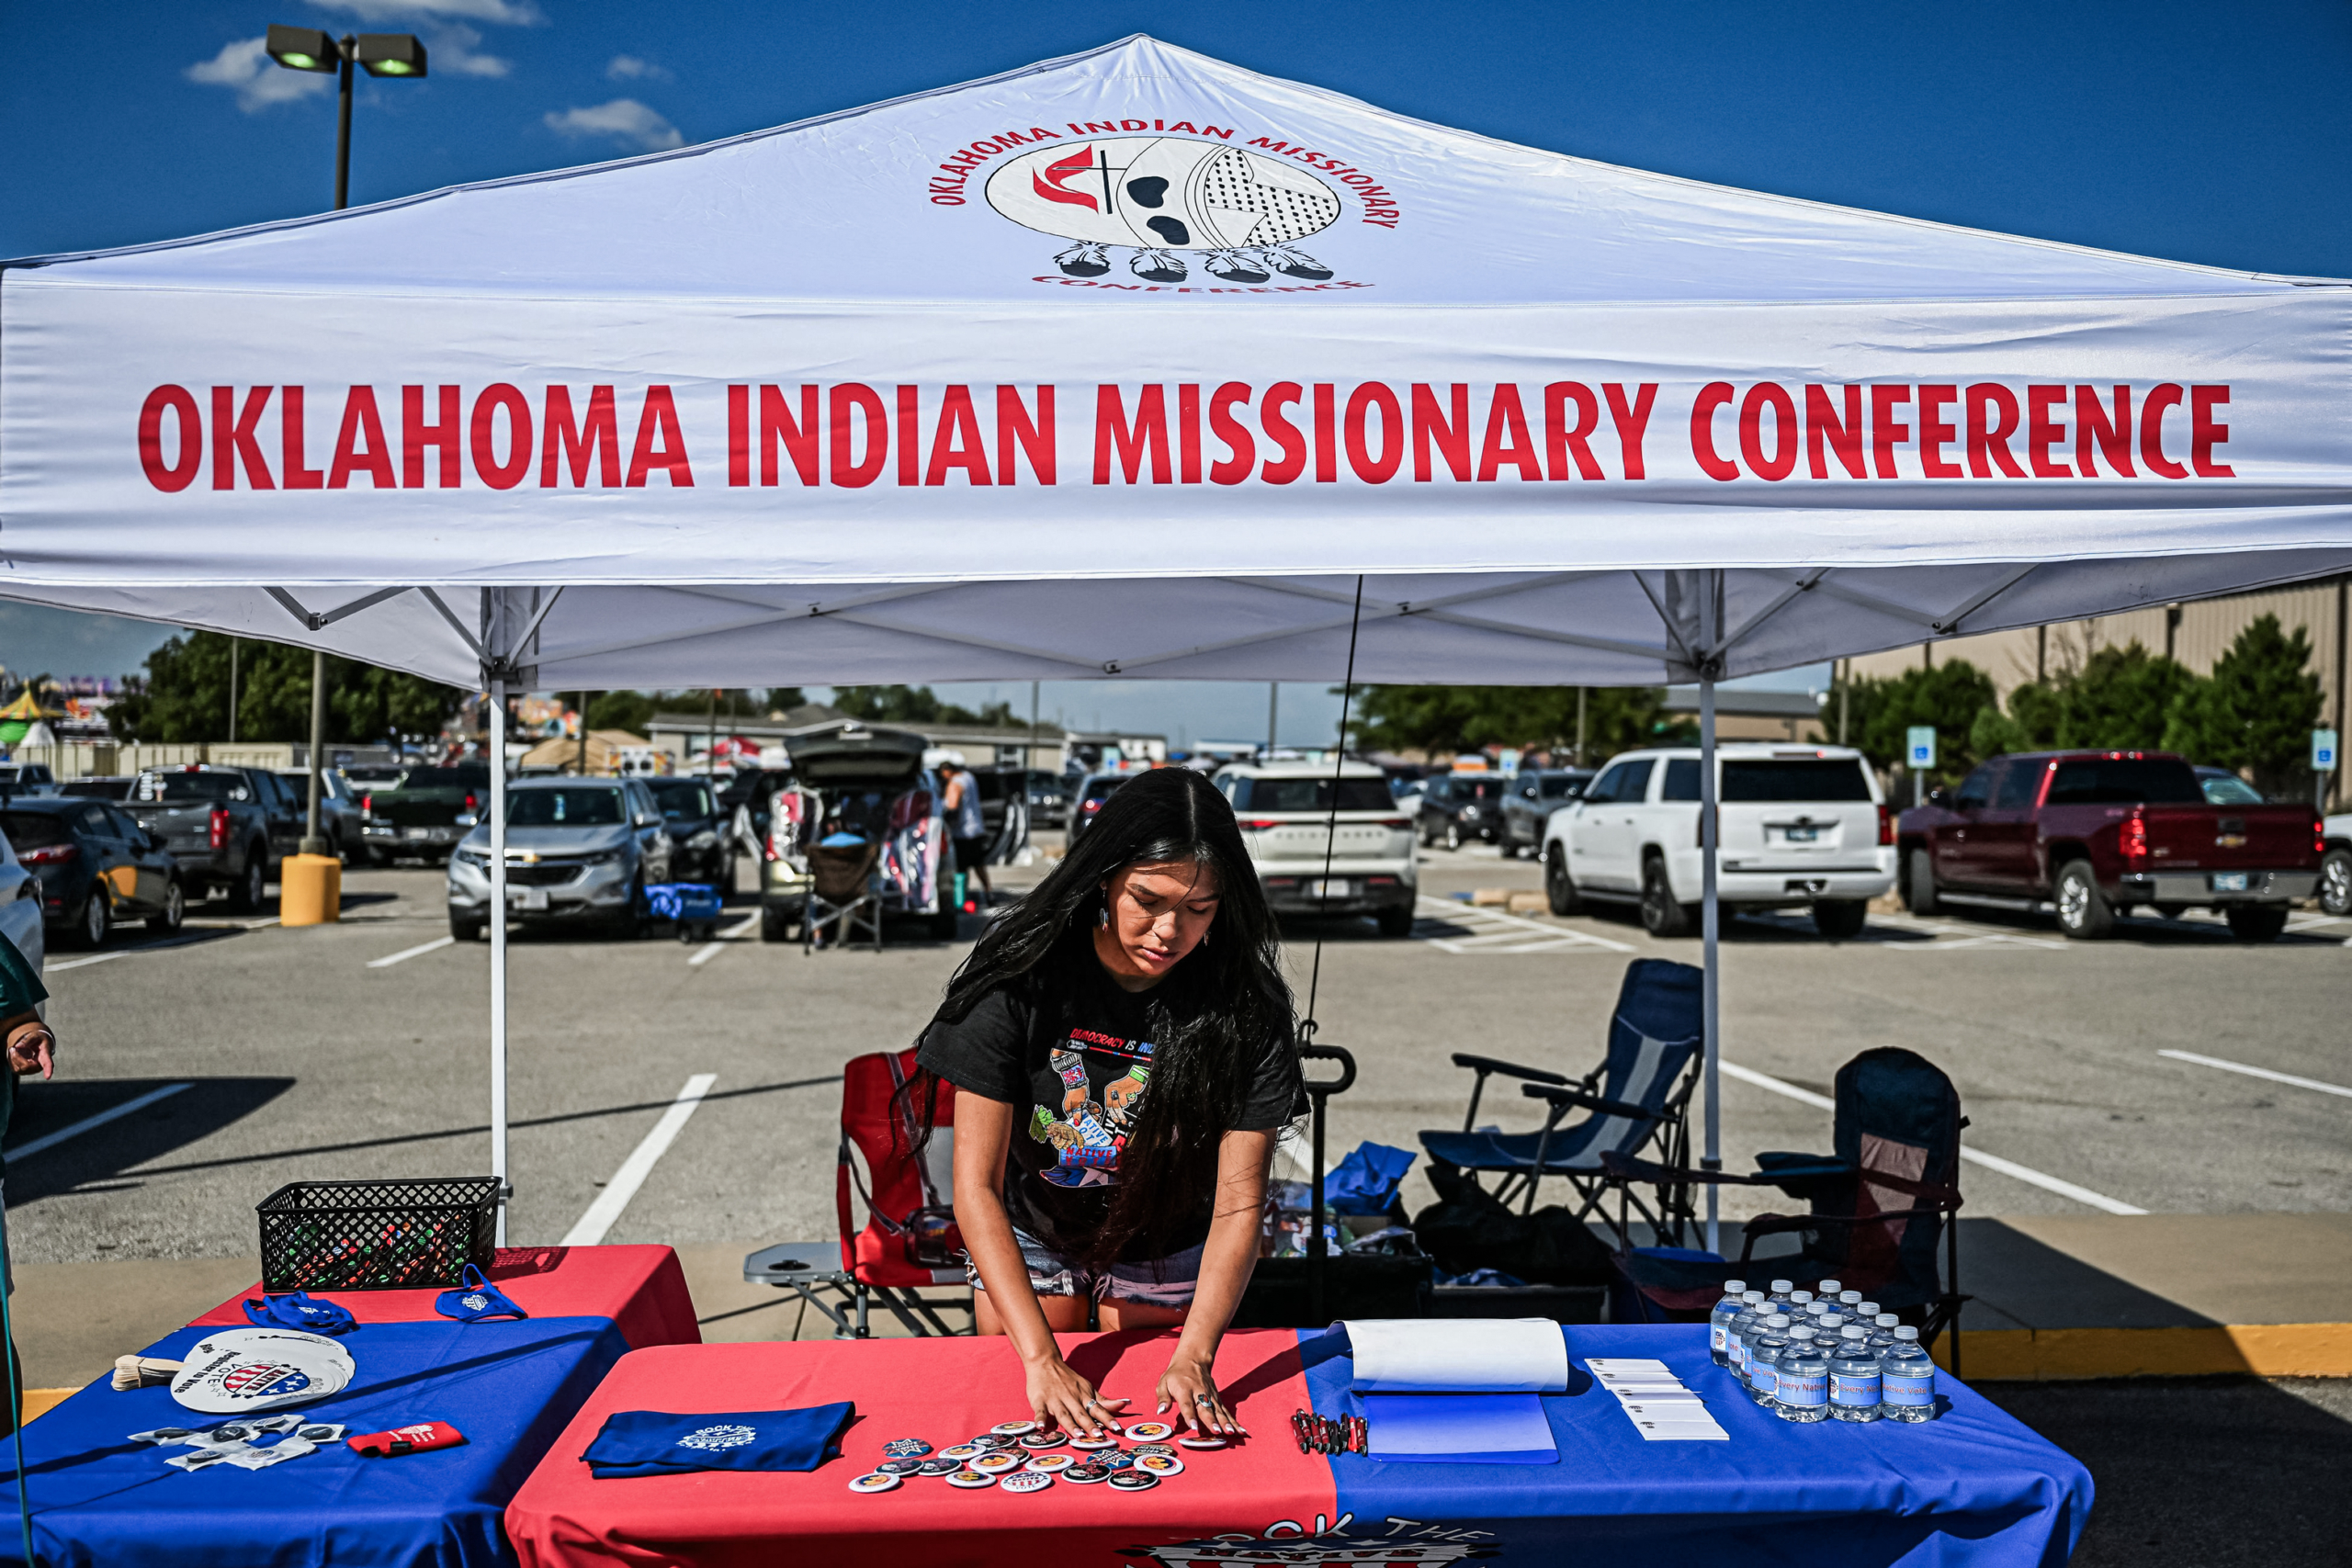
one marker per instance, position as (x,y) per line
(965,827)
(30,1048)
(1124,1053)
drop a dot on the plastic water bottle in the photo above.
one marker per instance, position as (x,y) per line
(1829,1289)
(1764,1323)
(1780,1296)
(1848,1302)
(1864,1312)
(1719,1320)
(1801,1299)
(1854,1377)
(1906,1380)
(1828,1323)
(1801,1381)
(1763,1366)
(1743,1324)
(1882,1329)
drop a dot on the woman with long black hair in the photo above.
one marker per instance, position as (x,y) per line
(1122,1051)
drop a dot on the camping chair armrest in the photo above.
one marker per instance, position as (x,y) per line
(1624,1168)
(1494,1065)
(1562,1098)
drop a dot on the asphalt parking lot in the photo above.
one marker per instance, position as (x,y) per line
(245,1054)
(202,1072)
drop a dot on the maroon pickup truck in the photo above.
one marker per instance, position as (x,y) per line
(2099,833)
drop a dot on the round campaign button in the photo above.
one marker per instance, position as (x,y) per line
(900,1467)
(1203,1441)
(969,1478)
(1027,1480)
(1116,1461)
(1151,1431)
(1159,1465)
(942,1466)
(987,1441)
(1134,1481)
(961,1453)
(877,1482)
(1013,1428)
(1035,1440)
(905,1448)
(1086,1474)
(996,1463)
(1142,1448)
(1092,1444)
(1050,1464)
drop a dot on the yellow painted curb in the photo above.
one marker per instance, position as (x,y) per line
(2263,1350)
(41,1401)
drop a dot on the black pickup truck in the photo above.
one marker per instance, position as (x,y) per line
(228,828)
(424,811)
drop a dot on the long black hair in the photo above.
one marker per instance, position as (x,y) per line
(1215,1018)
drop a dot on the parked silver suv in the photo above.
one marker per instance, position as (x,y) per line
(578,851)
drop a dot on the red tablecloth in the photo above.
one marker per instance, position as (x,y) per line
(942,1390)
(642,1288)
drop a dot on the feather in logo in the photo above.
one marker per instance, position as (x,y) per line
(1163,198)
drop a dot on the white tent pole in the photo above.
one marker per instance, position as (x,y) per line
(1710,909)
(497,732)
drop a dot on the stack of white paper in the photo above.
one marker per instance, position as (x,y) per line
(1655,1401)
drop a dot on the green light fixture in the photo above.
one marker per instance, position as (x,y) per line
(301,49)
(391,54)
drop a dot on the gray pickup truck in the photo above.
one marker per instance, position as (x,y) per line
(228,828)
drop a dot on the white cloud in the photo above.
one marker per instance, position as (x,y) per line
(257,80)
(451,48)
(499,13)
(629,68)
(623,119)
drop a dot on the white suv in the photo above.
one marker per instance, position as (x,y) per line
(1799,825)
(1283,808)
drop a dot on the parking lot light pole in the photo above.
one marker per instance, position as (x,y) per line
(380,55)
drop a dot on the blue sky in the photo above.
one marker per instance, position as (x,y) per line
(2214,134)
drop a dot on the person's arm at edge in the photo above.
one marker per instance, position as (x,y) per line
(983,1142)
(1228,1259)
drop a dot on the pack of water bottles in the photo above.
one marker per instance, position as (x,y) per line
(1823,1354)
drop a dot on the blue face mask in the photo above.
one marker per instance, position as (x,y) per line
(475,1298)
(298,1309)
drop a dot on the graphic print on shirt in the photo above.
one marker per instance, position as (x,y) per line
(1091,1130)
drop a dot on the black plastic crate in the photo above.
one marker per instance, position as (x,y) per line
(377,1235)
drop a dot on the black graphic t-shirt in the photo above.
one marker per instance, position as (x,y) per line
(1075,1056)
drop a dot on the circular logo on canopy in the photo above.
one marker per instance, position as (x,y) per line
(1168,204)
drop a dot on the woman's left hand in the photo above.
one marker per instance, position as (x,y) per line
(1188,1388)
(30,1049)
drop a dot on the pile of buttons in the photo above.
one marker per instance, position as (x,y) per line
(1026,1455)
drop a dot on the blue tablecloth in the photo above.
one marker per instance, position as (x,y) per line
(1972,1487)
(509,1387)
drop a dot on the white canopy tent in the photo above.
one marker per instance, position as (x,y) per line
(1132,364)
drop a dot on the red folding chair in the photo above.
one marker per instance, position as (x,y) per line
(909,1241)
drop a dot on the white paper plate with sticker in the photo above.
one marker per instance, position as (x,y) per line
(239,1371)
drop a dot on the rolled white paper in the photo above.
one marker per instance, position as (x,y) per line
(1518,1355)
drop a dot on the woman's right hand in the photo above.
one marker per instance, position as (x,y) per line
(1058,1396)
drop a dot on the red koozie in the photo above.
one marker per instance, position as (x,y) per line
(414,1439)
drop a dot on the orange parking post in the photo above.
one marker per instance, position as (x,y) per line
(310,890)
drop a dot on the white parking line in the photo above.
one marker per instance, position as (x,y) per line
(606,1208)
(719,941)
(81,963)
(1991,1162)
(1491,929)
(1950,937)
(419,950)
(2257,1072)
(50,1140)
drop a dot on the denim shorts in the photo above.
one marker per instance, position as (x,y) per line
(1166,1281)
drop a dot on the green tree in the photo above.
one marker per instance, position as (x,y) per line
(1442,720)
(2120,700)
(914,704)
(620,710)
(2255,712)
(185,695)
(1952,697)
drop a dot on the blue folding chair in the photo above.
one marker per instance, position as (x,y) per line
(1638,1099)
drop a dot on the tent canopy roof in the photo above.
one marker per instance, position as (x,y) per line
(803,212)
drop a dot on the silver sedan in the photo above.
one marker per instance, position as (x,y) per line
(578,851)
